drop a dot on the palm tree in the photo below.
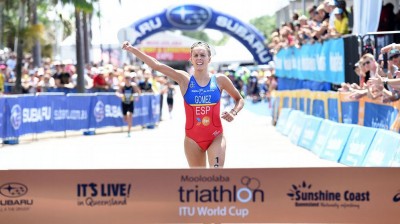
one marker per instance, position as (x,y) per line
(81,6)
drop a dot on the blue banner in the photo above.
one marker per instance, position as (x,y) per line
(333,110)
(396,160)
(315,62)
(49,108)
(350,112)
(310,131)
(318,108)
(2,116)
(379,116)
(21,116)
(357,145)
(337,140)
(293,117)
(383,149)
(282,119)
(324,132)
(77,113)
(297,128)
(107,111)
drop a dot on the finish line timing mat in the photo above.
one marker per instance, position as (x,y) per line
(301,195)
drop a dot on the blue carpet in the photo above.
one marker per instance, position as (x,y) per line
(259,108)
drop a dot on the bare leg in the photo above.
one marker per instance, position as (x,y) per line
(195,156)
(129,121)
(216,152)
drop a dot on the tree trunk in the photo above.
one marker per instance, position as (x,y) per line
(20,53)
(1,24)
(37,58)
(79,53)
(86,37)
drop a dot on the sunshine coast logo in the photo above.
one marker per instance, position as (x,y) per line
(305,196)
(103,194)
(205,200)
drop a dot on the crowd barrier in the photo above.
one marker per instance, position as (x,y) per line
(349,144)
(55,112)
(319,65)
(339,107)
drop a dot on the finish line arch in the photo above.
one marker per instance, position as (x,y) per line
(197,17)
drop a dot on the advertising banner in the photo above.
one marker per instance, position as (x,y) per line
(324,132)
(282,120)
(2,116)
(337,140)
(21,116)
(310,131)
(383,149)
(297,128)
(107,111)
(305,195)
(379,115)
(77,114)
(314,62)
(357,145)
(49,109)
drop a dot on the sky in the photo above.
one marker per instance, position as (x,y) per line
(116,16)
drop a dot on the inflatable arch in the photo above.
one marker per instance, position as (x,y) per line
(197,17)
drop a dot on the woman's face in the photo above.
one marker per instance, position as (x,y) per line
(367,63)
(200,58)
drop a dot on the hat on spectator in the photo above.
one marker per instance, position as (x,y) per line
(332,3)
(321,7)
(303,17)
(337,11)
(130,75)
(393,53)
(3,66)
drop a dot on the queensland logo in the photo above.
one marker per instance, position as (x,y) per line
(396,197)
(13,190)
(98,111)
(103,194)
(189,16)
(248,190)
(16,116)
(304,196)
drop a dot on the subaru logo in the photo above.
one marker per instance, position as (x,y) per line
(98,111)
(16,116)
(13,190)
(189,17)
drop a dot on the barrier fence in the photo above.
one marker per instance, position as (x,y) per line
(353,132)
(33,114)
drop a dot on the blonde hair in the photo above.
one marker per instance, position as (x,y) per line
(201,44)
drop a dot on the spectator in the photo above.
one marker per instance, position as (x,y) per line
(62,78)
(99,81)
(341,22)
(145,85)
(47,83)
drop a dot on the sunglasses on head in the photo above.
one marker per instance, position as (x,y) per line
(394,56)
(366,63)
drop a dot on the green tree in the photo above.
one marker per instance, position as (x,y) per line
(265,24)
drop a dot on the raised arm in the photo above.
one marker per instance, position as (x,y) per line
(178,75)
